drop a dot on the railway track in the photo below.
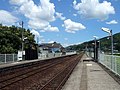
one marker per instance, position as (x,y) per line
(39,76)
(56,82)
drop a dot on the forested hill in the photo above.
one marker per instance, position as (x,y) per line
(105,44)
(10,38)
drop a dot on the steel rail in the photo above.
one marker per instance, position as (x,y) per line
(26,74)
(70,66)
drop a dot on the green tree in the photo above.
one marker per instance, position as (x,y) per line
(10,38)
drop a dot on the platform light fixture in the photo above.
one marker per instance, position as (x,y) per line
(111,34)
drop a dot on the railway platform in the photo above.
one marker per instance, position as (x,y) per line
(89,75)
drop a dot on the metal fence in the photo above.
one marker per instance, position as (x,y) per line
(8,58)
(49,55)
(111,62)
(52,55)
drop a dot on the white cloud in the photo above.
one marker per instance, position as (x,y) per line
(112,22)
(62,25)
(39,15)
(45,11)
(18,2)
(75,15)
(39,24)
(51,41)
(7,18)
(66,39)
(37,35)
(74,2)
(59,15)
(72,27)
(51,29)
(93,9)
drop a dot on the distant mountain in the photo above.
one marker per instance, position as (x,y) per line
(105,44)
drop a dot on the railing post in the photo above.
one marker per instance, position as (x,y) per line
(112,64)
(5,59)
(13,58)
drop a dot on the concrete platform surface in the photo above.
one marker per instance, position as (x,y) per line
(88,75)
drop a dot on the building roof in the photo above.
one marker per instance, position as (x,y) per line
(51,45)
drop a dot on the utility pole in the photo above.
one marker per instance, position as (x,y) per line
(111,42)
(22,39)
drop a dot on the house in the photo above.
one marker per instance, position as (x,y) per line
(46,48)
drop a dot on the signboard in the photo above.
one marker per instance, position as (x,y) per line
(19,55)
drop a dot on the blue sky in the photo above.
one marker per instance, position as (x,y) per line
(64,21)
